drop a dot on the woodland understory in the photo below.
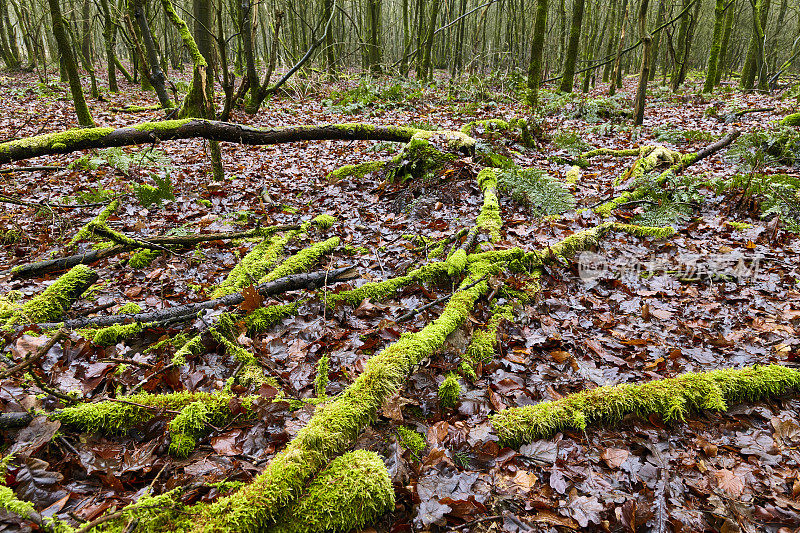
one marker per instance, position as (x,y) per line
(506,321)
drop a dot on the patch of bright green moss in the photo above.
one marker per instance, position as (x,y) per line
(86,232)
(321,381)
(51,304)
(489,218)
(411,440)
(356,171)
(263,318)
(449,391)
(657,232)
(142,258)
(130,308)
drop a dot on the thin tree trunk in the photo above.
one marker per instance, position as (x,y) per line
(716,45)
(644,73)
(616,72)
(427,65)
(537,49)
(568,74)
(660,18)
(155,74)
(723,53)
(68,58)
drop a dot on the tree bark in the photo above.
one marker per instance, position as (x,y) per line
(154,74)
(716,45)
(644,73)
(723,52)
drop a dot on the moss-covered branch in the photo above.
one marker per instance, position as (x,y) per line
(149,132)
(51,304)
(673,399)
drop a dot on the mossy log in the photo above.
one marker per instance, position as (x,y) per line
(214,130)
(791,120)
(285,284)
(686,161)
(673,399)
(53,302)
(336,425)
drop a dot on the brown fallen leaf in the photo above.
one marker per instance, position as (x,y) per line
(252,299)
(729,482)
(614,457)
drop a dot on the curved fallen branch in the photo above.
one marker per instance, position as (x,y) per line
(213,130)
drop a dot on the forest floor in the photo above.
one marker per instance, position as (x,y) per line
(655,312)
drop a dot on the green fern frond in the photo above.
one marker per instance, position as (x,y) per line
(665,214)
(542,194)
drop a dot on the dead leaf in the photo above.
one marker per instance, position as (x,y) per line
(252,299)
(614,457)
(729,482)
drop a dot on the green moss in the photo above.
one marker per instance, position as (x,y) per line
(457,262)
(109,416)
(489,218)
(791,120)
(353,491)
(254,265)
(160,126)
(51,304)
(302,261)
(738,226)
(251,374)
(418,160)
(481,348)
(449,391)
(573,175)
(321,381)
(335,425)
(189,422)
(115,333)
(130,308)
(263,318)
(9,502)
(86,232)
(192,347)
(356,171)
(467,371)
(324,221)
(380,290)
(650,157)
(411,440)
(58,141)
(673,399)
(657,232)
(142,258)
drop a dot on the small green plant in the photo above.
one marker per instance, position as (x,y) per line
(677,136)
(95,195)
(542,194)
(149,195)
(123,161)
(411,440)
(449,391)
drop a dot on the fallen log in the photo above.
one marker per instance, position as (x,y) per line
(294,282)
(151,132)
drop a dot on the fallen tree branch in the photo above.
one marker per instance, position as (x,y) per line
(285,284)
(55,265)
(213,130)
(606,207)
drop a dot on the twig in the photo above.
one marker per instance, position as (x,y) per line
(142,383)
(414,312)
(475,522)
(60,334)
